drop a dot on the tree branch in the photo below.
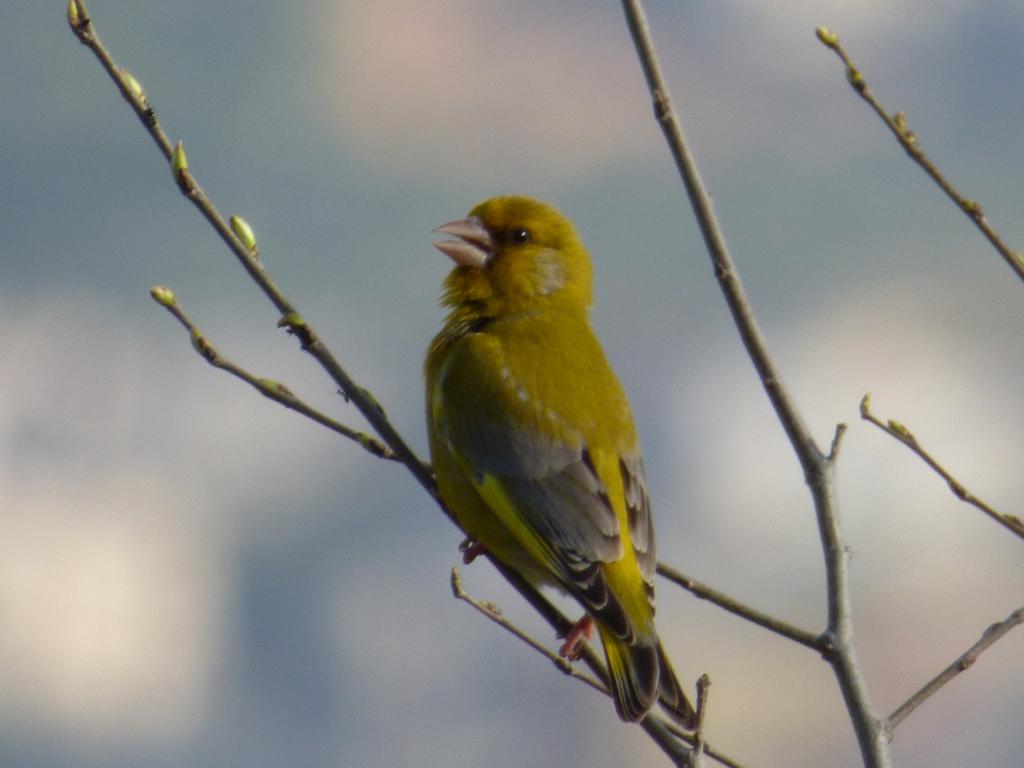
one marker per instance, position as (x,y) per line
(699,745)
(744,611)
(275,390)
(818,467)
(895,429)
(897,124)
(493,612)
(963,662)
(662,730)
(83,27)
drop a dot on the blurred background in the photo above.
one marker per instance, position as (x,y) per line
(192,576)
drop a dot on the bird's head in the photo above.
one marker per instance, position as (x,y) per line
(515,255)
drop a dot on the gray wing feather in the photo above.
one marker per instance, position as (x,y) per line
(551,482)
(570,509)
(638,508)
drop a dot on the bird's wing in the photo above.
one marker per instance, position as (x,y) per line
(549,478)
(558,498)
(638,513)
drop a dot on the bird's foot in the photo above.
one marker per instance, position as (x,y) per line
(581,630)
(471,549)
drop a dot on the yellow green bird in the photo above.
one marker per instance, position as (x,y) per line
(533,442)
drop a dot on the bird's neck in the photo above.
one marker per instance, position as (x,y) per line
(480,317)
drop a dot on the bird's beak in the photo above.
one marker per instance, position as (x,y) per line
(474,246)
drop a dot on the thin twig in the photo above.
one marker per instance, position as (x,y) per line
(897,430)
(691,739)
(744,611)
(493,612)
(666,734)
(818,468)
(988,638)
(275,390)
(897,124)
(699,745)
(837,442)
(84,28)
(669,737)
(671,742)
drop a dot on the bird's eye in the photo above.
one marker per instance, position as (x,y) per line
(519,236)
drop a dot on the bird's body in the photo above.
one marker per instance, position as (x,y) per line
(532,440)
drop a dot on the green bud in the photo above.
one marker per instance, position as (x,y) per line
(244,233)
(78,20)
(132,85)
(291,320)
(180,171)
(373,445)
(856,78)
(971,207)
(865,404)
(275,388)
(827,36)
(899,429)
(198,342)
(162,296)
(179,162)
(203,347)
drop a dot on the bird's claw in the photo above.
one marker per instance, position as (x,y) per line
(582,630)
(471,549)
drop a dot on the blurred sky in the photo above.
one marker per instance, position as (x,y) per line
(192,576)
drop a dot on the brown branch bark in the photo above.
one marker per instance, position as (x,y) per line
(897,124)
(274,390)
(962,663)
(738,608)
(818,467)
(898,431)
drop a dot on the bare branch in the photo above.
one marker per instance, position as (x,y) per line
(671,741)
(895,429)
(291,320)
(897,124)
(699,746)
(275,390)
(988,638)
(493,612)
(744,611)
(818,468)
(666,734)
(837,442)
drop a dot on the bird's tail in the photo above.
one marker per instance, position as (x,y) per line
(640,674)
(671,695)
